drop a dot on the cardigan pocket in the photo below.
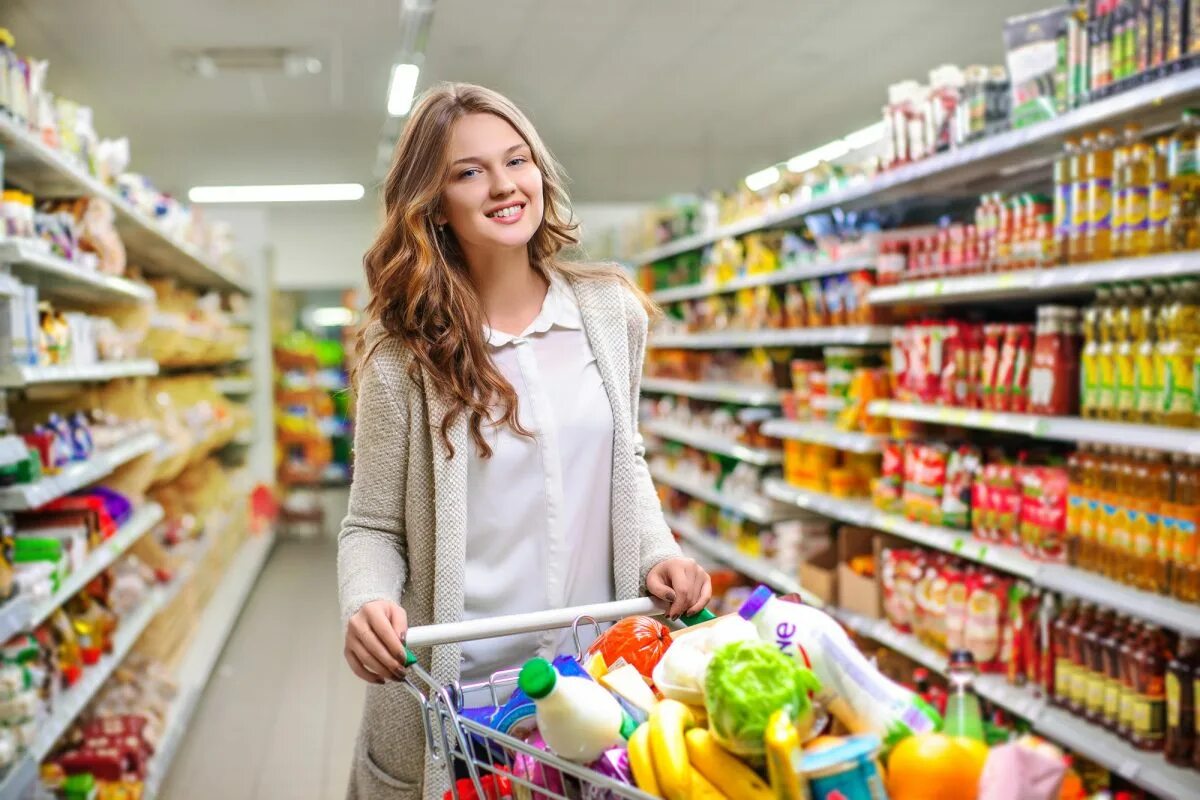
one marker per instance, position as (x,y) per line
(383,777)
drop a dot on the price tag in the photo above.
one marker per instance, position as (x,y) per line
(1041,427)
(1128,769)
(959,544)
(938,288)
(987,419)
(1006,280)
(983,551)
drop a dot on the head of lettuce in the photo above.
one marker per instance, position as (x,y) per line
(745,684)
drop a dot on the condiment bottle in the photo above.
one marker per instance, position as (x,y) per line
(1121,532)
(1111,653)
(1107,499)
(1079,240)
(1150,700)
(1060,634)
(1079,670)
(1076,503)
(1100,198)
(1106,393)
(1129,649)
(1181,702)
(1093,654)
(1125,349)
(1119,195)
(1143,516)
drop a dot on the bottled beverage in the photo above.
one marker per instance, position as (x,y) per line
(1063,219)
(1182,672)
(1183,174)
(1093,655)
(1185,574)
(1160,195)
(1089,371)
(1077,690)
(963,716)
(1106,362)
(1100,195)
(1119,194)
(1129,649)
(1060,635)
(1137,200)
(1146,379)
(1150,699)
(1079,240)
(1111,653)
(577,717)
(1125,350)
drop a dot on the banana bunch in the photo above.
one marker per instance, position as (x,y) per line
(673,759)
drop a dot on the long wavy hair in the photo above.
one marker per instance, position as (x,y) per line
(420,288)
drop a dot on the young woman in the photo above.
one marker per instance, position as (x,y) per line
(498,465)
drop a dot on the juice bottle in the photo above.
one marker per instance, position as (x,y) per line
(1111,652)
(963,716)
(1184,569)
(1089,372)
(1125,351)
(1129,648)
(1160,196)
(1093,654)
(1181,702)
(1150,699)
(1077,689)
(1063,220)
(1137,200)
(1119,193)
(1183,174)
(1060,635)
(1145,377)
(1079,240)
(1100,195)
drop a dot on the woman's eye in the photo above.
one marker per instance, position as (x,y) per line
(518,160)
(468,173)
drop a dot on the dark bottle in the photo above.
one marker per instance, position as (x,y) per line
(1150,700)
(1111,653)
(1093,656)
(1077,691)
(1129,646)
(1060,634)
(1181,703)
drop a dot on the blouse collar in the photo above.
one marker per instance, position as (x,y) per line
(560,309)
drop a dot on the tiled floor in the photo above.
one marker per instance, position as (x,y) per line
(279,717)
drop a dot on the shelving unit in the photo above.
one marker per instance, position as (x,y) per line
(719,392)
(47,173)
(755,509)
(14,376)
(789,275)
(1065,429)
(1008,153)
(823,433)
(235,387)
(1036,284)
(26,496)
(728,554)
(60,279)
(788,337)
(701,440)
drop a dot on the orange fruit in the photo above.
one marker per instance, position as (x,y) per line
(932,766)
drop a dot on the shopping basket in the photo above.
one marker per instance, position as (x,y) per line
(499,765)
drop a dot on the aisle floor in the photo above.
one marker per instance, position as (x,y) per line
(279,716)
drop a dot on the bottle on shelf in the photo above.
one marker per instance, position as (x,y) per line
(1183,174)
(1089,371)
(1079,240)
(1143,514)
(1107,299)
(1150,699)
(1120,159)
(963,715)
(1136,217)
(1120,539)
(1110,647)
(1185,573)
(1063,219)
(1060,635)
(1100,196)
(1125,351)
(1182,673)
(1077,492)
(1096,673)
(1077,690)
(1108,498)
(1160,196)
(1146,379)
(1128,668)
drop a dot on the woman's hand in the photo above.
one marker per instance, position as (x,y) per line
(681,582)
(375,641)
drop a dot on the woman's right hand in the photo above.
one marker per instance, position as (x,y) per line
(375,642)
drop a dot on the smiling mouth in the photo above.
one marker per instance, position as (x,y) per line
(507,211)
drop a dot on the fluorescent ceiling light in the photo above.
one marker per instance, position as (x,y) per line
(762,179)
(865,137)
(826,152)
(281,193)
(402,89)
(332,317)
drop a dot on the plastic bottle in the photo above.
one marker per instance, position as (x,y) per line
(1183,173)
(855,692)
(1089,367)
(1121,155)
(1106,362)
(1150,700)
(1129,648)
(963,716)
(1111,654)
(1181,702)
(1100,195)
(1156,560)
(1137,200)
(1060,635)
(1107,497)
(1088,556)
(1146,379)
(1063,219)
(1079,240)
(1093,657)
(1120,532)
(1160,196)
(1125,351)
(577,718)
(1185,571)
(1077,689)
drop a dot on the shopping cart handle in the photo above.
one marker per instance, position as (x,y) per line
(472,630)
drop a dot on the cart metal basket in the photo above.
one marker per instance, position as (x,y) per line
(496,764)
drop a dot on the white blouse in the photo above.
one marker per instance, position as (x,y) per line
(539,510)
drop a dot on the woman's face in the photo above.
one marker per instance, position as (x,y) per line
(493,195)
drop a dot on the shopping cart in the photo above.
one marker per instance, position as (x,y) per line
(499,765)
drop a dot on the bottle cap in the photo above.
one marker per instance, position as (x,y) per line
(537,678)
(754,603)
(962,658)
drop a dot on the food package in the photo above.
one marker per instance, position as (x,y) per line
(680,674)
(638,641)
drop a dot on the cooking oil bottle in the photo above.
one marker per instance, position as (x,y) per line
(1183,171)
(1137,200)
(1120,536)
(1063,219)
(1120,187)
(1078,240)
(1144,508)
(1141,326)
(1100,196)
(1106,367)
(1160,196)
(1089,364)
(1179,350)
(1106,499)
(1185,572)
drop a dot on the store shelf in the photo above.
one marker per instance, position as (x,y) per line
(1004,154)
(58,278)
(717,391)
(764,457)
(755,509)
(142,521)
(16,376)
(47,173)
(790,275)
(15,614)
(788,337)
(75,476)
(235,387)
(215,625)
(727,554)
(1066,429)
(1068,281)
(853,512)
(823,433)
(19,781)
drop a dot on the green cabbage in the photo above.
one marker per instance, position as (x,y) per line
(745,684)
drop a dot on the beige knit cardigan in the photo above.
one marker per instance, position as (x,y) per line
(404,537)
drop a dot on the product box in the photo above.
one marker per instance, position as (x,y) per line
(1037,55)
(818,574)
(855,592)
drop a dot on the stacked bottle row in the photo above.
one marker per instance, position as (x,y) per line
(1117,197)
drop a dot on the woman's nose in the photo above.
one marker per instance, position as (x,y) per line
(503,186)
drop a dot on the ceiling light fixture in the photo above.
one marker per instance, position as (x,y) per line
(281,193)
(757,181)
(402,89)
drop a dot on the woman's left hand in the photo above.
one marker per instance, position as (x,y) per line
(681,582)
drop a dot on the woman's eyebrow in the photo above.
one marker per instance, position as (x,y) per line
(479,160)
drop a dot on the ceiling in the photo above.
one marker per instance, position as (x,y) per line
(638,99)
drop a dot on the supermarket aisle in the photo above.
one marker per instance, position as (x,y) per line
(280,714)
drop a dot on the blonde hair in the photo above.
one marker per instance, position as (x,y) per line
(420,287)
